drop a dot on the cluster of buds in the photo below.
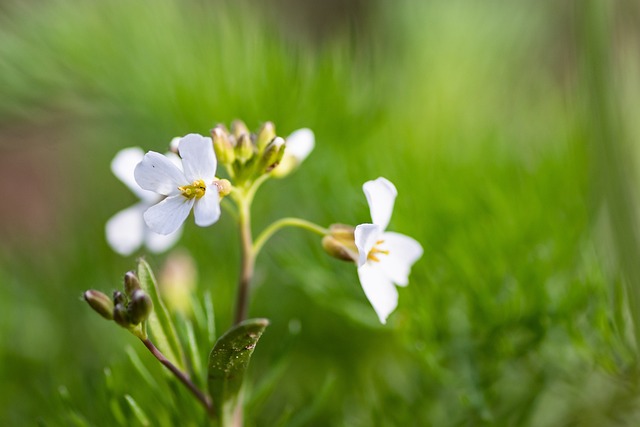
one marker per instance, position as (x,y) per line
(128,309)
(247,156)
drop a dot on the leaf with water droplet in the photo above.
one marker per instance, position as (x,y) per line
(228,363)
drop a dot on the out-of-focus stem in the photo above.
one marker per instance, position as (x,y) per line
(184,378)
(282,223)
(247,259)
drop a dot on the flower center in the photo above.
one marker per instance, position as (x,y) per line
(375,251)
(194,190)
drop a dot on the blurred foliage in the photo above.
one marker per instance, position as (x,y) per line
(479,113)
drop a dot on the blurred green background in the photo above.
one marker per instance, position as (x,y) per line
(507,127)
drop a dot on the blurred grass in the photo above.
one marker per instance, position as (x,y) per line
(515,315)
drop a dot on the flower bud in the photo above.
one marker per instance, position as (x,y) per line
(119,298)
(222,146)
(266,134)
(224,187)
(139,307)
(273,154)
(244,148)
(340,243)
(173,145)
(238,128)
(100,303)
(120,315)
(131,283)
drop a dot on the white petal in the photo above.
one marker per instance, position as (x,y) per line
(159,242)
(175,159)
(198,158)
(380,291)
(381,194)
(125,230)
(156,173)
(366,236)
(123,165)
(169,214)
(403,253)
(173,145)
(300,143)
(207,208)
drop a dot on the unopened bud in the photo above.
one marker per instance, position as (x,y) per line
(238,128)
(222,146)
(120,315)
(266,134)
(139,307)
(119,298)
(273,154)
(100,303)
(244,148)
(131,283)
(173,145)
(340,243)
(224,187)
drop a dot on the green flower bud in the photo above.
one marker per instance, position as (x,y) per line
(244,148)
(266,134)
(340,243)
(131,283)
(273,154)
(222,145)
(100,303)
(238,128)
(139,307)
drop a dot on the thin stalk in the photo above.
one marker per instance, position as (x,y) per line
(282,223)
(248,259)
(184,378)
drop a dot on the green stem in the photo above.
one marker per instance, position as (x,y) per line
(248,257)
(282,223)
(184,378)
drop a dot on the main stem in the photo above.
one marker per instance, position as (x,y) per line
(248,259)
(203,398)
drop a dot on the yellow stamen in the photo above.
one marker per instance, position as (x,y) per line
(374,252)
(195,190)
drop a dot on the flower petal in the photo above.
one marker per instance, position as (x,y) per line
(380,291)
(198,159)
(299,144)
(161,242)
(157,173)
(125,230)
(381,194)
(169,214)
(207,208)
(403,253)
(123,165)
(366,236)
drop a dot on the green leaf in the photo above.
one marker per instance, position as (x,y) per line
(228,363)
(159,321)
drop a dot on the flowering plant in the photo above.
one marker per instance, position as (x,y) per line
(172,185)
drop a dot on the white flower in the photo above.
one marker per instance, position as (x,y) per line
(298,146)
(126,230)
(193,186)
(385,257)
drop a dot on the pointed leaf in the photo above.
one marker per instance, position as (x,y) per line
(159,321)
(228,363)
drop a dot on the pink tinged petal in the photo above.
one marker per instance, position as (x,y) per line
(381,194)
(207,208)
(198,158)
(366,236)
(157,173)
(380,291)
(300,143)
(125,230)
(403,253)
(159,242)
(169,214)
